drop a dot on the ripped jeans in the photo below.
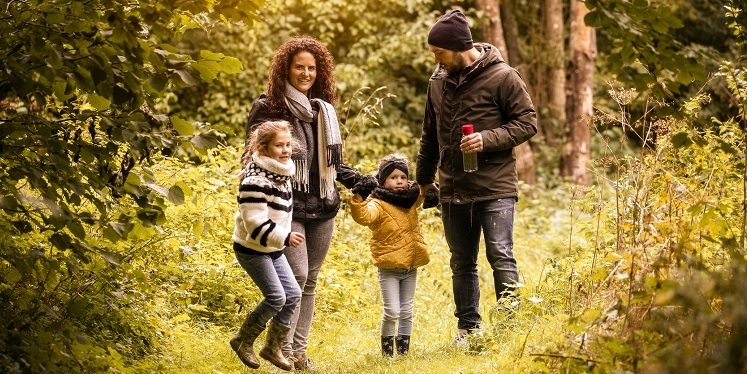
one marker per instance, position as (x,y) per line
(463,224)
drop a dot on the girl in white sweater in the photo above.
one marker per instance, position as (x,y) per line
(262,230)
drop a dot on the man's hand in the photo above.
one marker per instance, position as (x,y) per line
(471,143)
(428,187)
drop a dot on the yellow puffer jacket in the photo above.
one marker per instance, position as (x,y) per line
(397,242)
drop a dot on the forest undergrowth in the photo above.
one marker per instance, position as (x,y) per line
(641,272)
(345,336)
(120,123)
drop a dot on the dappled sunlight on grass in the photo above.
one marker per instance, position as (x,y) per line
(345,334)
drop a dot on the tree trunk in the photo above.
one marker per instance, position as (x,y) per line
(525,164)
(524,156)
(576,153)
(513,48)
(493,31)
(555,39)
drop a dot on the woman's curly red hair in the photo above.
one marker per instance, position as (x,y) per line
(324,85)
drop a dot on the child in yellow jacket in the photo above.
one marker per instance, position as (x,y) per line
(397,245)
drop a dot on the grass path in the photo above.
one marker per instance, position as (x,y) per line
(345,335)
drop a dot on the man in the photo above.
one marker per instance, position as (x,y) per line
(473,84)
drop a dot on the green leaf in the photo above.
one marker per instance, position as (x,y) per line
(680,140)
(673,21)
(8,203)
(209,55)
(149,216)
(78,306)
(176,195)
(61,241)
(158,82)
(231,65)
(208,69)
(120,229)
(727,147)
(187,77)
(84,79)
(592,19)
(77,229)
(158,188)
(60,89)
(697,70)
(53,18)
(181,126)
(700,141)
(661,26)
(628,54)
(186,190)
(98,102)
(133,179)
(198,228)
(23,227)
(180,318)
(205,140)
(684,77)
(110,257)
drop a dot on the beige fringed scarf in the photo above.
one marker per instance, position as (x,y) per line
(329,143)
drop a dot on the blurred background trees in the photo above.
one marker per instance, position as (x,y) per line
(106,106)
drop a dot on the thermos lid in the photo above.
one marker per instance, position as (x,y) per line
(467,129)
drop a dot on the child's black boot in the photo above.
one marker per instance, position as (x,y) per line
(387,346)
(403,344)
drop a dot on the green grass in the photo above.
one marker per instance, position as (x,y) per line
(345,334)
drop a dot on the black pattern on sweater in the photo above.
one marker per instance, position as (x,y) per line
(265,203)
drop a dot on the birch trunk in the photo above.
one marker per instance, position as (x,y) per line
(576,153)
(556,61)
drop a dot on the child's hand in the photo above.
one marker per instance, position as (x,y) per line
(295,238)
(364,187)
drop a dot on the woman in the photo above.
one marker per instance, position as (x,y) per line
(301,90)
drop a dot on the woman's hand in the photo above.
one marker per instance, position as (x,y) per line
(365,186)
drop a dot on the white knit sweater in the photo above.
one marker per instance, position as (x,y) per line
(265,201)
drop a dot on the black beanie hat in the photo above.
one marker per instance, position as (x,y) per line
(387,167)
(451,32)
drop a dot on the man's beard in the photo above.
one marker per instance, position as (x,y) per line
(457,64)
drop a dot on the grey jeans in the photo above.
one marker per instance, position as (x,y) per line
(398,296)
(306,260)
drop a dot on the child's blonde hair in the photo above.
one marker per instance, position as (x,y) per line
(263,135)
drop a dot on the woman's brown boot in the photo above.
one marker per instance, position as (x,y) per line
(302,363)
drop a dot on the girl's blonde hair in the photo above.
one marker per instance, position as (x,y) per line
(263,134)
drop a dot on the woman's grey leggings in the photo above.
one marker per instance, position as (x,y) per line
(306,260)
